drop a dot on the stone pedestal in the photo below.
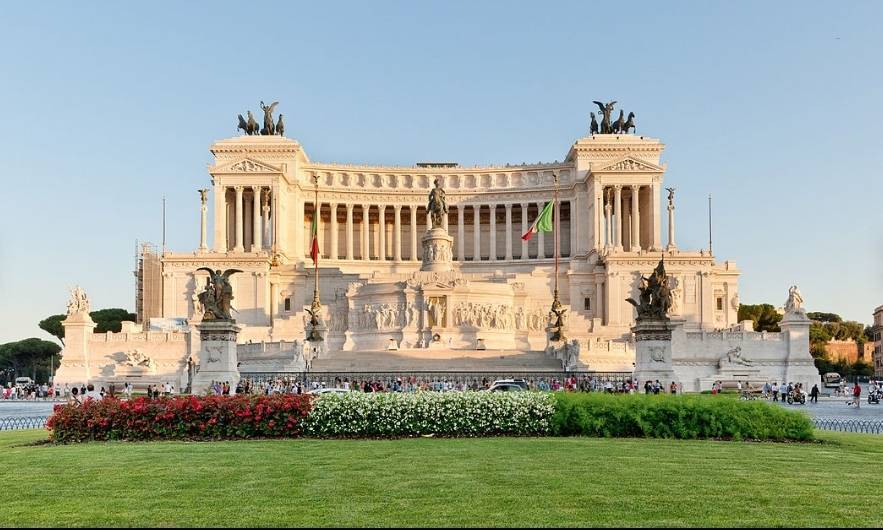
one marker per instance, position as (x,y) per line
(437,250)
(653,351)
(217,359)
(799,367)
(75,369)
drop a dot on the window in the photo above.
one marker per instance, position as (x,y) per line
(288,303)
(720,303)
(587,304)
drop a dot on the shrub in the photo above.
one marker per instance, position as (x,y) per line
(443,413)
(186,417)
(688,417)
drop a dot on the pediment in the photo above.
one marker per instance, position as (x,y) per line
(247,165)
(630,164)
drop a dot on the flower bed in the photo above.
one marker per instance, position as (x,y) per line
(186,417)
(688,417)
(443,413)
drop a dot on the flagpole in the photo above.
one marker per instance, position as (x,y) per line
(315,306)
(556,224)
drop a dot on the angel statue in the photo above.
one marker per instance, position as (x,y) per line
(218,294)
(269,128)
(606,111)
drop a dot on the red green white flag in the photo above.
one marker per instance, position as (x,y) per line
(543,222)
(314,246)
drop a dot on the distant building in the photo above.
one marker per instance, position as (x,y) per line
(849,351)
(877,330)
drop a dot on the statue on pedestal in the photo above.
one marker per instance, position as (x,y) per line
(438,206)
(655,298)
(794,304)
(79,302)
(218,294)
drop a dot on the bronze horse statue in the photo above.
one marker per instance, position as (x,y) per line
(250,126)
(617,126)
(629,123)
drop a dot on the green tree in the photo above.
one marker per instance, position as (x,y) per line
(764,316)
(824,317)
(105,320)
(31,357)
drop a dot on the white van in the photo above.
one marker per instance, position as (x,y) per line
(23,381)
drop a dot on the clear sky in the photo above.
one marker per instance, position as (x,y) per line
(772,107)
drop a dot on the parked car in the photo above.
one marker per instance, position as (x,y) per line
(831,380)
(508,385)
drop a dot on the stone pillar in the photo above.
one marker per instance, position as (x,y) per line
(239,228)
(256,242)
(617,212)
(636,220)
(397,232)
(265,210)
(653,351)
(332,252)
(320,229)
(509,232)
(598,309)
(75,368)
(541,237)
(597,216)
(220,218)
(218,358)
(349,231)
(381,226)
(428,220)
(671,227)
(414,253)
(476,232)
(203,232)
(525,254)
(655,229)
(608,222)
(461,238)
(492,242)
(445,222)
(366,254)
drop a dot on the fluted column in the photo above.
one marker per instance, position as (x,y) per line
(203,219)
(256,243)
(476,232)
(655,229)
(265,211)
(414,255)
(320,228)
(541,238)
(617,212)
(332,252)
(608,220)
(238,247)
(366,254)
(445,222)
(349,231)
(636,220)
(525,252)
(492,242)
(428,220)
(381,226)
(598,309)
(508,231)
(461,238)
(220,219)
(397,232)
(671,226)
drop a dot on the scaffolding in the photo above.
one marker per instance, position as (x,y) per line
(148,282)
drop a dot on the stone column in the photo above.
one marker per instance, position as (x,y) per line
(366,254)
(256,242)
(671,226)
(608,221)
(492,242)
(239,228)
(598,217)
(320,229)
(220,218)
(598,309)
(541,237)
(428,220)
(617,212)
(445,222)
(349,231)
(332,252)
(381,226)
(476,232)
(265,210)
(509,232)
(655,229)
(461,238)
(203,232)
(525,254)
(414,255)
(636,220)
(397,232)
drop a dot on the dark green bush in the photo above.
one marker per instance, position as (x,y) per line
(686,417)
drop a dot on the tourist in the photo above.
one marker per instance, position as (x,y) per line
(814,394)
(92,394)
(775,388)
(673,388)
(75,396)
(856,395)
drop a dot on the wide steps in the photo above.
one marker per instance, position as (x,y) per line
(427,360)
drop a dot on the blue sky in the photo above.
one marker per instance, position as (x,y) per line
(772,107)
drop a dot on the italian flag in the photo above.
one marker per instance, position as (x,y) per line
(542,224)
(314,246)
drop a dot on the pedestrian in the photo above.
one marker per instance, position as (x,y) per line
(814,394)
(857,395)
(775,391)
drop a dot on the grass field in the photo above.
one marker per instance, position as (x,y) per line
(443,482)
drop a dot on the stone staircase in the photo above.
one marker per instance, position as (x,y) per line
(428,360)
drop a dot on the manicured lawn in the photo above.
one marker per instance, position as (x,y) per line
(442,482)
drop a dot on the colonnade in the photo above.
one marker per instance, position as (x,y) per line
(255,233)
(482,232)
(629,218)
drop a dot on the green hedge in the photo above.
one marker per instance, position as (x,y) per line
(663,416)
